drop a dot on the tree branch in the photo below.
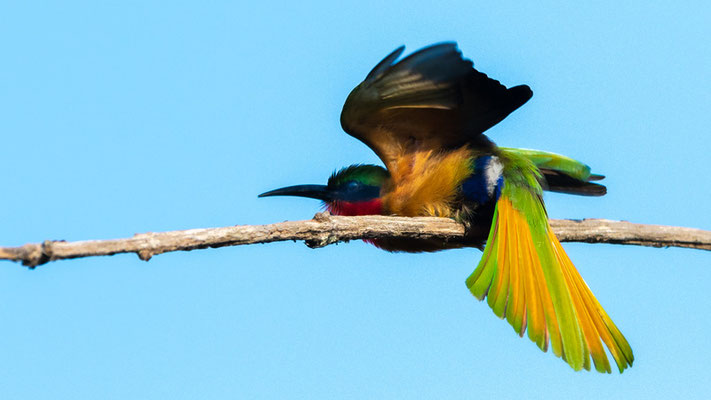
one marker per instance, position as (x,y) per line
(326,229)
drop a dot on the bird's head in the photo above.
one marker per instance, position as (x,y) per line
(353,190)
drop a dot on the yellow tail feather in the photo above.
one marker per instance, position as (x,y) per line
(528,279)
(593,315)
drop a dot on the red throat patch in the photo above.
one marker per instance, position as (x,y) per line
(347,208)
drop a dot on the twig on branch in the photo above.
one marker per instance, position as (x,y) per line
(326,229)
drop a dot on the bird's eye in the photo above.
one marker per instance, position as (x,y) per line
(353,185)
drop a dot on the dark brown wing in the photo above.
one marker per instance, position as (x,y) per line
(432,99)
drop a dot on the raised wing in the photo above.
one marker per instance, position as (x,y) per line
(433,99)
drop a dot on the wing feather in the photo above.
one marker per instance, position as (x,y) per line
(562,174)
(433,99)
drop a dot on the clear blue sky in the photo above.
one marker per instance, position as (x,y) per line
(126,117)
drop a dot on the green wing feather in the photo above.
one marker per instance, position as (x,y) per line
(562,174)
(528,279)
(556,162)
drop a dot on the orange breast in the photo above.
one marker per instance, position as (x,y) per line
(426,183)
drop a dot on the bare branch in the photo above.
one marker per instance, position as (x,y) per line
(326,229)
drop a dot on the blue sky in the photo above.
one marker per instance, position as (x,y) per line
(126,117)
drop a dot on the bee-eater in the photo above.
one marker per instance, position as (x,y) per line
(424,117)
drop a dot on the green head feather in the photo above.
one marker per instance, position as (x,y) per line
(370,175)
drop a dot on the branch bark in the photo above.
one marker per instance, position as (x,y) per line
(326,229)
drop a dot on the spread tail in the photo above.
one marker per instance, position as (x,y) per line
(527,278)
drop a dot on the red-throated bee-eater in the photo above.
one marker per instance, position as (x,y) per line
(424,116)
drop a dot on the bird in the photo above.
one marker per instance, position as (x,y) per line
(425,116)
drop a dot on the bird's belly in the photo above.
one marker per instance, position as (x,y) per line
(476,233)
(409,245)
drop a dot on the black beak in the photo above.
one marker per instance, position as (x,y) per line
(320,192)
